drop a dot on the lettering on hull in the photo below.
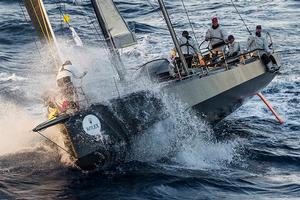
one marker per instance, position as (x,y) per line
(92,126)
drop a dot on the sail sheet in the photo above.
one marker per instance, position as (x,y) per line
(112,24)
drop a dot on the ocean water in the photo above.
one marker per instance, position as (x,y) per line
(247,156)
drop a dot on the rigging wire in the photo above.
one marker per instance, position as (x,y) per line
(61,12)
(42,23)
(241,17)
(90,22)
(188,16)
(101,37)
(27,21)
(85,17)
(60,147)
(61,15)
(155,9)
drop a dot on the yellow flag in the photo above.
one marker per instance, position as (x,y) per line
(67,18)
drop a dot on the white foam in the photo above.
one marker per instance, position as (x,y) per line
(11,77)
(201,154)
(185,140)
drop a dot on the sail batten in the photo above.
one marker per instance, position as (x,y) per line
(113,26)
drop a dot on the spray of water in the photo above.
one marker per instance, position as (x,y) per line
(101,82)
(183,140)
(15,126)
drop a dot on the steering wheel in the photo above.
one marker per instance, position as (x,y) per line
(188,45)
(209,44)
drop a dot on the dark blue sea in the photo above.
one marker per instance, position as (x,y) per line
(249,155)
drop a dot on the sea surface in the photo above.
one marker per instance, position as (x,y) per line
(249,155)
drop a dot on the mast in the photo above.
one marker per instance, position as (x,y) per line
(173,34)
(41,23)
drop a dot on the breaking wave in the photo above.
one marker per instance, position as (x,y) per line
(11,77)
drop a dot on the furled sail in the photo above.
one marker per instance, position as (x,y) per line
(41,23)
(112,24)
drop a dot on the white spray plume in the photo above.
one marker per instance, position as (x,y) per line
(15,126)
(183,139)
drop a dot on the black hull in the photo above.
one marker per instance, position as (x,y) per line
(114,126)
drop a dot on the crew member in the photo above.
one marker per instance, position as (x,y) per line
(188,47)
(49,102)
(258,42)
(216,35)
(65,82)
(233,47)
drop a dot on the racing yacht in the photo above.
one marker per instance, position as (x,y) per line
(99,136)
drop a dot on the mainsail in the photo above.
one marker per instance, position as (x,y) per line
(41,23)
(113,26)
